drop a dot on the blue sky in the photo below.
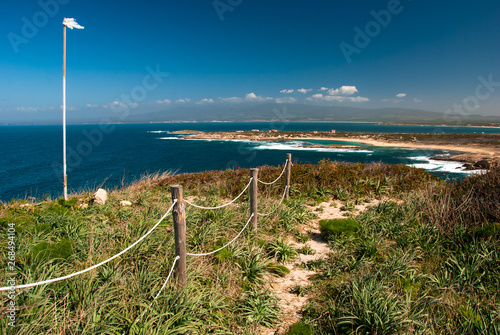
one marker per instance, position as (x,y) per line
(408,53)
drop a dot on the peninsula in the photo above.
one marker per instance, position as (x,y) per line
(470,148)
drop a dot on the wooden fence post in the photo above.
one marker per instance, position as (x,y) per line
(288,175)
(179,215)
(253,196)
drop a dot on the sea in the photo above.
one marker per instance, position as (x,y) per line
(114,155)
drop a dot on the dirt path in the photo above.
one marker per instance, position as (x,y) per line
(291,304)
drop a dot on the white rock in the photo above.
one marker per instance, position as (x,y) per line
(100,197)
(125,203)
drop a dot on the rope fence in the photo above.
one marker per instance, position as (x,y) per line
(274,210)
(222,206)
(94,266)
(234,239)
(179,217)
(161,290)
(271,183)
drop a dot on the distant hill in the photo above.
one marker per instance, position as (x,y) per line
(301,112)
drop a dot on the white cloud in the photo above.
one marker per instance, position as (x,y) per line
(284,100)
(286,91)
(91,106)
(417,100)
(163,102)
(183,101)
(323,89)
(335,98)
(343,90)
(40,109)
(304,90)
(206,101)
(400,95)
(253,97)
(114,104)
(231,99)
(68,108)
(119,104)
(27,109)
(358,99)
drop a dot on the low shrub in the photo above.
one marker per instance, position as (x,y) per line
(299,328)
(335,227)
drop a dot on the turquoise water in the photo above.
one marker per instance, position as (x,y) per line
(31,156)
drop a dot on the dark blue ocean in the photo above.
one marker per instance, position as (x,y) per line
(113,155)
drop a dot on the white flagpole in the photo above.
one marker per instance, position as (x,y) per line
(71,23)
(65,180)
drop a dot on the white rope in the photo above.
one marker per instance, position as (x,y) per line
(229,203)
(157,295)
(284,169)
(234,239)
(274,210)
(94,266)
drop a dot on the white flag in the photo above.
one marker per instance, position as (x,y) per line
(71,23)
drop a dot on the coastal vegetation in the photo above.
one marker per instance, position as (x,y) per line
(425,258)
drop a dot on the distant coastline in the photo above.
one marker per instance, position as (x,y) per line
(116,122)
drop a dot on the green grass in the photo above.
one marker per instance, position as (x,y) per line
(426,264)
(334,227)
(282,251)
(429,264)
(259,307)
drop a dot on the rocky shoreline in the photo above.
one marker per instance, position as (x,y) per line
(472,161)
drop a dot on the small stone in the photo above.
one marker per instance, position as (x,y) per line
(100,197)
(125,203)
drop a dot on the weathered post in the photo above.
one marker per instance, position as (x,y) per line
(288,175)
(253,196)
(179,215)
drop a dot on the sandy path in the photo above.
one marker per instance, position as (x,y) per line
(291,304)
